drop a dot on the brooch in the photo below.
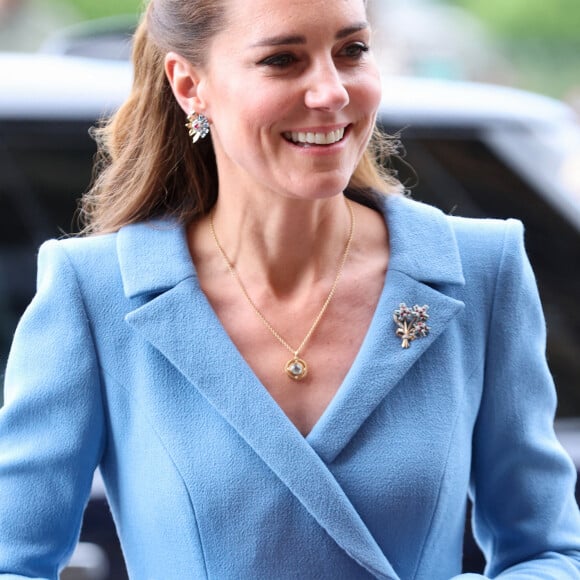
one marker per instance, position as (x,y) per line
(411,323)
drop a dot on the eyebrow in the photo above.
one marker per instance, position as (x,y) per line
(299,39)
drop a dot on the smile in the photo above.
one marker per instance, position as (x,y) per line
(315,138)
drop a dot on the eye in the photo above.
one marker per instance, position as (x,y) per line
(355,50)
(283,60)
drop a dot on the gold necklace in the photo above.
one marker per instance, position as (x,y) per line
(296,368)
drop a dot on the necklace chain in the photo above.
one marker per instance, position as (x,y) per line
(296,368)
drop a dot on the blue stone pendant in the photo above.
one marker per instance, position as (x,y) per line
(296,369)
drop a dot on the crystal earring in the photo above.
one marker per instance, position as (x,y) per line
(198,126)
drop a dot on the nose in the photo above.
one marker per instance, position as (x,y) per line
(326,89)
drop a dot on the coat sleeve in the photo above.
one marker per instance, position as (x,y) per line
(51,426)
(526,519)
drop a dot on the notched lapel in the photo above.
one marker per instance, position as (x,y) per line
(198,346)
(381,363)
(424,256)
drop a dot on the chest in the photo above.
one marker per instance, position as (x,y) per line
(327,354)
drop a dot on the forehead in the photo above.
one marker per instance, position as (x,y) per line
(255,18)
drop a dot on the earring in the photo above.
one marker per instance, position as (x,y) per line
(198,126)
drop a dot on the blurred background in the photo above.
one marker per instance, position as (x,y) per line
(529,44)
(475,150)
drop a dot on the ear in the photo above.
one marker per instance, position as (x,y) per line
(184,79)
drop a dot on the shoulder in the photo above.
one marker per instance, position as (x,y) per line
(140,258)
(140,240)
(479,241)
(484,242)
(82,257)
(80,249)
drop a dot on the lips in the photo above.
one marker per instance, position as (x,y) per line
(315,138)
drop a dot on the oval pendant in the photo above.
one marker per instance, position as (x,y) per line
(296,369)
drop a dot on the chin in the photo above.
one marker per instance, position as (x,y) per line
(323,188)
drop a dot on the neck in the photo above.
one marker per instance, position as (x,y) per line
(286,246)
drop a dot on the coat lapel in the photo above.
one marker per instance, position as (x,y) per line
(180,323)
(176,319)
(424,256)
(381,362)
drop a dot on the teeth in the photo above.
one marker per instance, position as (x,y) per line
(316,138)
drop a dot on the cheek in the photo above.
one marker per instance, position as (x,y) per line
(241,137)
(368,93)
(252,114)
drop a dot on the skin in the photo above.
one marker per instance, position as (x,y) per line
(279,69)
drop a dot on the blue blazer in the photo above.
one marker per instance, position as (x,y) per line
(121,363)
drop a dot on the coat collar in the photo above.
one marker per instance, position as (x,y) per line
(154,256)
(423,244)
(155,264)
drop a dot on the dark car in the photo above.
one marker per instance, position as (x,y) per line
(472,150)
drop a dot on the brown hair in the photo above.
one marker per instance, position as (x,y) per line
(146,165)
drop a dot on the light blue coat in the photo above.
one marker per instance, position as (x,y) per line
(121,362)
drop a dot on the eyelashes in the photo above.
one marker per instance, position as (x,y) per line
(356,50)
(283,60)
(353,52)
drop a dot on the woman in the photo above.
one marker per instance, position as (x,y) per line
(280,372)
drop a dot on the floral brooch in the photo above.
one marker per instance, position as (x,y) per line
(411,323)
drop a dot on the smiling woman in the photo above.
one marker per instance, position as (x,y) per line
(251,59)
(283,368)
